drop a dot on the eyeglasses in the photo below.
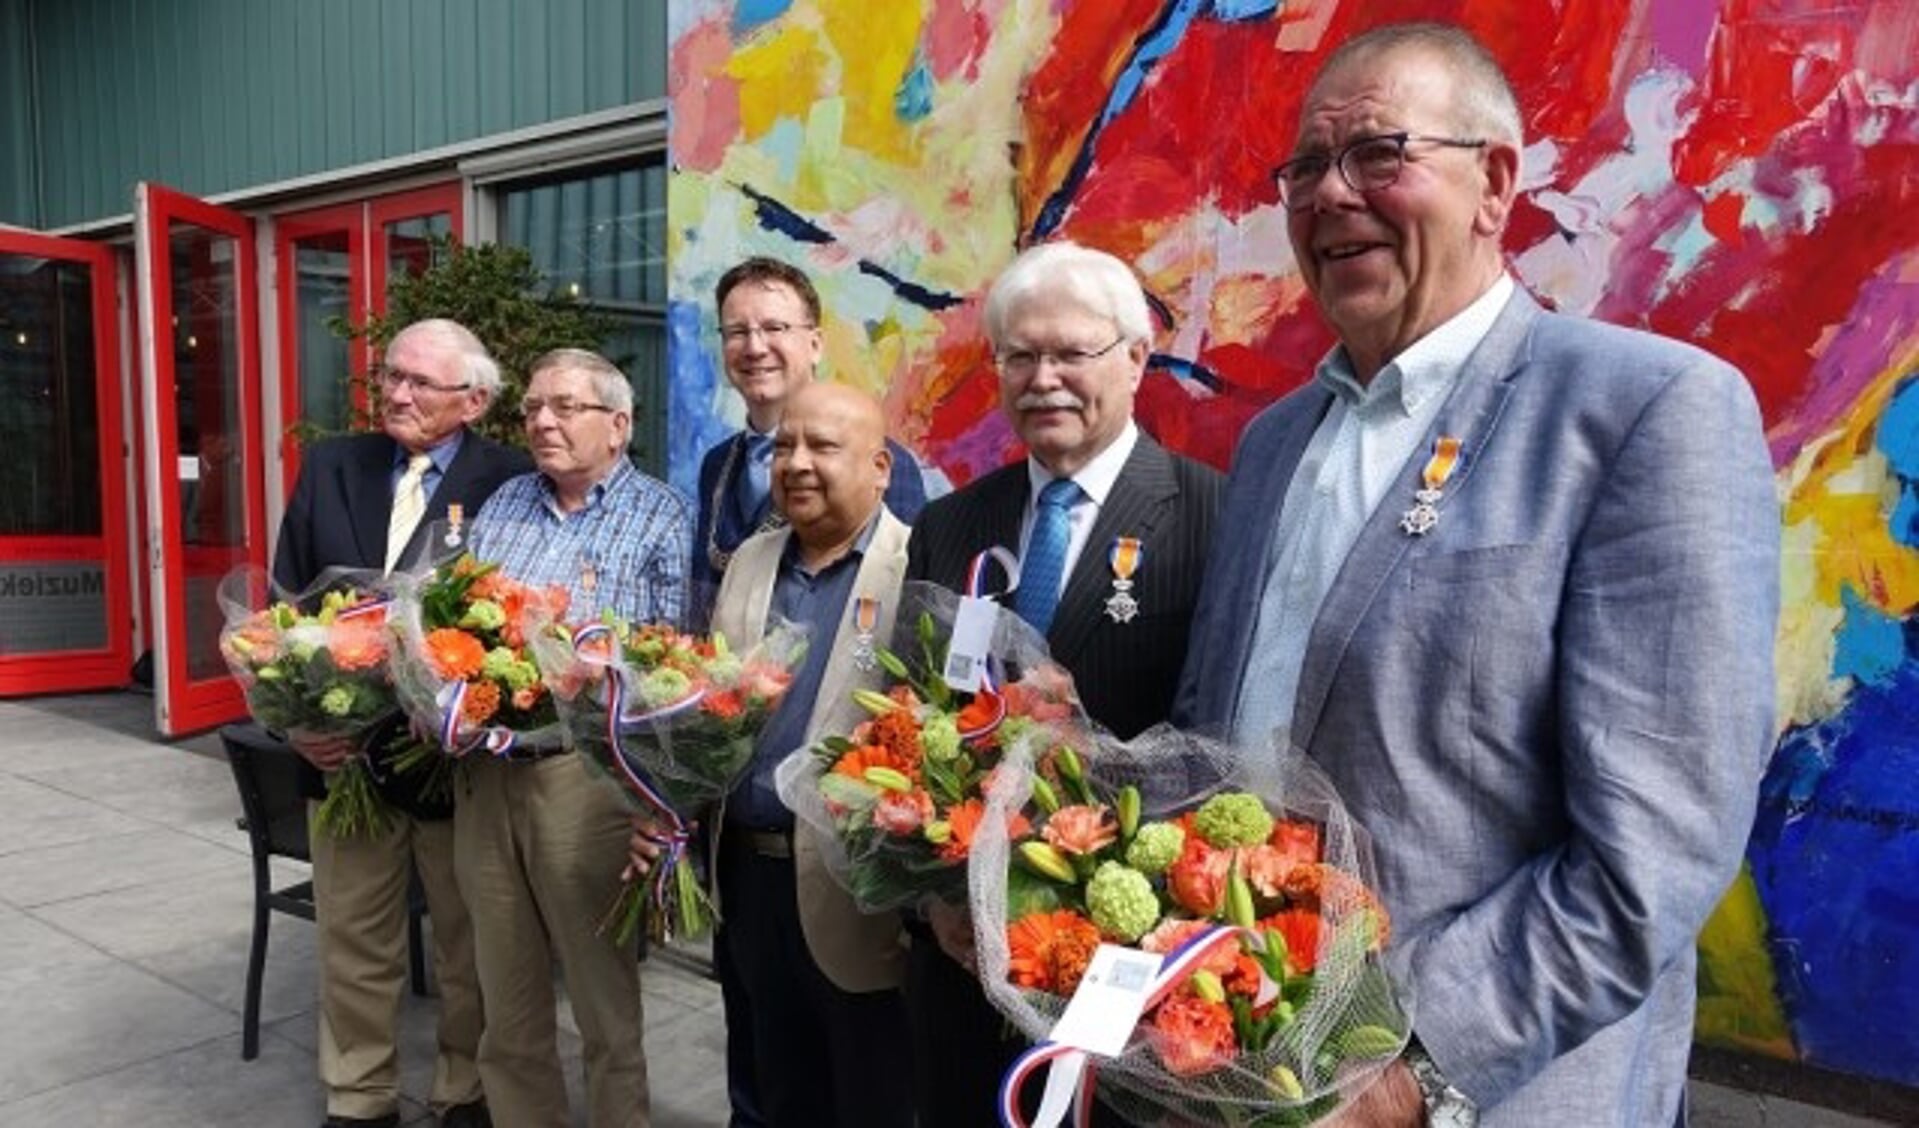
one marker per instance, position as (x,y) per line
(563,408)
(768,331)
(1366,164)
(1022,361)
(392,378)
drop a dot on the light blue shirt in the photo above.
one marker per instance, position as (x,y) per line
(442,455)
(1357,452)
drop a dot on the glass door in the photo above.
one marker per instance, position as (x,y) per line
(205,462)
(65,610)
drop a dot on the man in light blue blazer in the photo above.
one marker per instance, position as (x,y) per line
(1510,577)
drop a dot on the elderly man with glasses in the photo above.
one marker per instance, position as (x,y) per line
(1111,532)
(541,840)
(1511,578)
(364,501)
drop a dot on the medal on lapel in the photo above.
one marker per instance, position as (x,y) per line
(1124,557)
(866,617)
(589,573)
(455,517)
(1423,517)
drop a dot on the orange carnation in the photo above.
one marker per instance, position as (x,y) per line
(1050,951)
(454,654)
(358,643)
(1081,829)
(899,733)
(481,702)
(855,762)
(1192,1035)
(964,819)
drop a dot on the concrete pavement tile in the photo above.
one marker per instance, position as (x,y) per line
(39,816)
(202,1086)
(686,1072)
(162,916)
(93,1019)
(100,865)
(35,950)
(190,793)
(216,970)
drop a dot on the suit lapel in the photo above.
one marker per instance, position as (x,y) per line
(1472,413)
(993,520)
(1139,496)
(367,483)
(880,572)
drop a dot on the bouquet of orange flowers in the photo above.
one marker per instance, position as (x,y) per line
(1252,886)
(322,673)
(464,669)
(899,799)
(672,719)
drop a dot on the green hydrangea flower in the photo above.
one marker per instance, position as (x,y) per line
(940,738)
(501,665)
(1156,846)
(338,701)
(1234,818)
(724,670)
(663,687)
(483,615)
(1122,902)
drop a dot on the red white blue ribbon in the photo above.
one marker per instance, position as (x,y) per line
(976,589)
(1075,1066)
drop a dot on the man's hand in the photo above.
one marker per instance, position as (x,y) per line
(642,848)
(1391,1101)
(327,753)
(953,928)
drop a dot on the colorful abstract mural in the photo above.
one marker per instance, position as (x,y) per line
(1742,174)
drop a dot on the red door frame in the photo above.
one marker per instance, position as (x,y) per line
(396,208)
(183,706)
(108,666)
(288,230)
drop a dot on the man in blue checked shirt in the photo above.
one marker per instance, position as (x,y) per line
(541,841)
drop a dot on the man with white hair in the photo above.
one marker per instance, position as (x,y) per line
(541,840)
(1111,531)
(1511,579)
(365,502)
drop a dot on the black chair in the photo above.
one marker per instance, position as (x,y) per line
(274,815)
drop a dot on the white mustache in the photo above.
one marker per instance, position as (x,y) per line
(1048,401)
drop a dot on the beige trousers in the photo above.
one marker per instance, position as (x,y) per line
(359,894)
(540,848)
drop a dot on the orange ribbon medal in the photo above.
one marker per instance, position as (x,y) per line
(1423,517)
(866,619)
(1124,556)
(455,517)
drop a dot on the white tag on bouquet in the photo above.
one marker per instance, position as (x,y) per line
(972,639)
(1103,1011)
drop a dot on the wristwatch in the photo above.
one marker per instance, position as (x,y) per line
(1446,1106)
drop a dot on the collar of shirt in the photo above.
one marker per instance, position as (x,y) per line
(790,557)
(1427,367)
(1096,478)
(622,469)
(442,453)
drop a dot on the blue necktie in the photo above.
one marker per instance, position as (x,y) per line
(755,482)
(1037,596)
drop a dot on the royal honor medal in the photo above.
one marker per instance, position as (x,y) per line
(1423,517)
(866,618)
(1125,557)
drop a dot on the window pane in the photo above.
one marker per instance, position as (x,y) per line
(600,236)
(321,265)
(407,248)
(50,477)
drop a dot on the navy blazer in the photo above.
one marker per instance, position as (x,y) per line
(337,518)
(1551,711)
(1126,673)
(719,502)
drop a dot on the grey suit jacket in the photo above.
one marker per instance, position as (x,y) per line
(1551,712)
(857,951)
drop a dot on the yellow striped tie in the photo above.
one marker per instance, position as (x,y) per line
(409,504)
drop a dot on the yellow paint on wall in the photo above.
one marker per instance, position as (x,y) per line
(780,75)
(876,44)
(1738,993)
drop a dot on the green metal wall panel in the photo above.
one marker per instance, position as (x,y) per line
(212,96)
(18,163)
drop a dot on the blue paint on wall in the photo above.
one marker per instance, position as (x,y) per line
(692,383)
(749,14)
(914,99)
(1835,856)
(1898,440)
(1869,645)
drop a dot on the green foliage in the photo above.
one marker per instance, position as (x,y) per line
(494,290)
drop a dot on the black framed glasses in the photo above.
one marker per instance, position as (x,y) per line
(562,407)
(736,335)
(1366,164)
(1022,361)
(392,378)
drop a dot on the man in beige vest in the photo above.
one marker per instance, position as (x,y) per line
(819,979)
